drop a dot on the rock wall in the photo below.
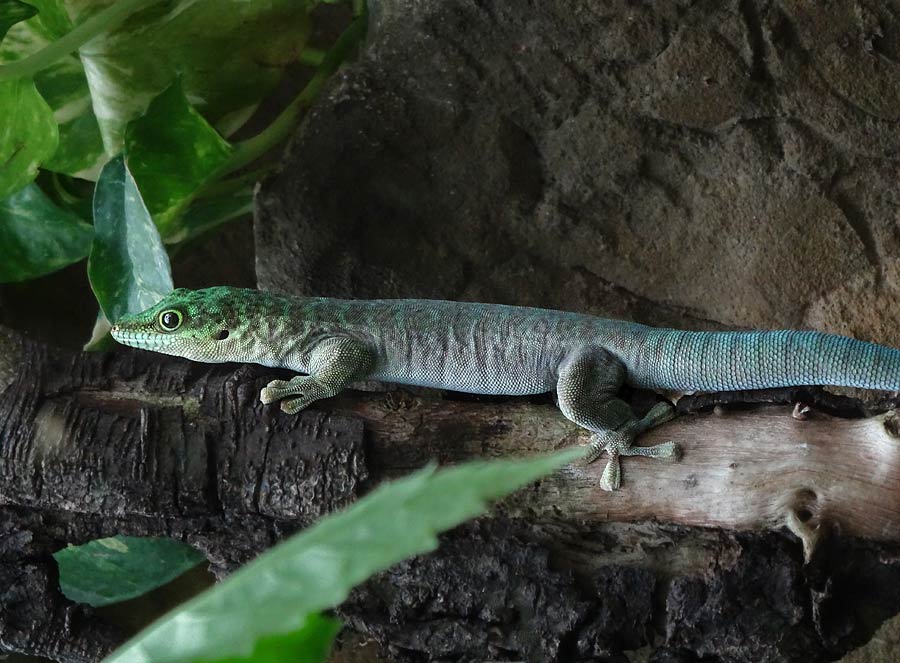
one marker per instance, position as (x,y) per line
(674,162)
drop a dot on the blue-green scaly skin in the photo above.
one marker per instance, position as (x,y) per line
(495,349)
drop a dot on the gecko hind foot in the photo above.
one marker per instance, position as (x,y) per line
(619,442)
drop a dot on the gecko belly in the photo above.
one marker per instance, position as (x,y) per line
(473,381)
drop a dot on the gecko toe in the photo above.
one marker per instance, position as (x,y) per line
(611,478)
(267,395)
(664,450)
(618,443)
(294,405)
(276,390)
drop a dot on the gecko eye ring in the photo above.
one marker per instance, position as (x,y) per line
(170,320)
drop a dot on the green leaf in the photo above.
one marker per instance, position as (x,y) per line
(311,643)
(28,134)
(316,569)
(230,54)
(69,193)
(119,568)
(64,86)
(172,151)
(12,12)
(208,213)
(128,266)
(37,237)
(52,21)
(21,40)
(100,339)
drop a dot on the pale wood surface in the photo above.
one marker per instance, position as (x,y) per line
(749,469)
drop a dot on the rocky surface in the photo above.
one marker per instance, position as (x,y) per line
(677,163)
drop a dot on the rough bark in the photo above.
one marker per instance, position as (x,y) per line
(134,443)
(552,592)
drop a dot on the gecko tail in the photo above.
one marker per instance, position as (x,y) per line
(724,361)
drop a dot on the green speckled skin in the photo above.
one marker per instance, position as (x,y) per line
(494,349)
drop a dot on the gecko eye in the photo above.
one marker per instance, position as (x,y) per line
(170,320)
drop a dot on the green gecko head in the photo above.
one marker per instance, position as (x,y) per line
(204,325)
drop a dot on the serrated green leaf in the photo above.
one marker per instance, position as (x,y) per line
(119,568)
(12,12)
(317,568)
(37,237)
(172,151)
(128,265)
(311,643)
(28,134)
(230,54)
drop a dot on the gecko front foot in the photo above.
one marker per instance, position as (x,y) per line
(305,387)
(619,442)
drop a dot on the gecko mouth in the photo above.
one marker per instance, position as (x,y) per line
(141,339)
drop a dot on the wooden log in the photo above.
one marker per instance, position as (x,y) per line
(756,469)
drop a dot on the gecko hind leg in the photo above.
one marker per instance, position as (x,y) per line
(619,442)
(588,382)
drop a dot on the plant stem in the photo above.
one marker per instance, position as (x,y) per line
(253,148)
(312,56)
(188,234)
(222,187)
(100,22)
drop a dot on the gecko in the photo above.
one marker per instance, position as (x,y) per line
(496,349)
